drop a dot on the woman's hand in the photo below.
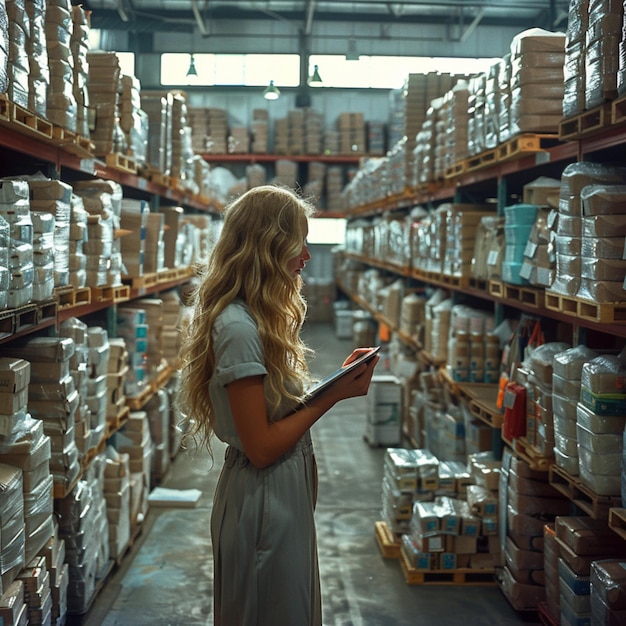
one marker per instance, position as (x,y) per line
(355,355)
(356,382)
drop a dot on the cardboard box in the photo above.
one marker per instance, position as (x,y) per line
(14,374)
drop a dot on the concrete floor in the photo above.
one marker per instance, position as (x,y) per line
(166,578)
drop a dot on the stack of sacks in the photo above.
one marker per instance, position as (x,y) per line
(462,222)
(102,86)
(116,375)
(608,591)
(419,237)
(79,45)
(76,330)
(134,219)
(133,121)
(4,263)
(78,236)
(158,108)
(537,58)
(518,223)
(43,255)
(198,120)
(581,541)
(603,267)
(39,76)
(153,311)
(133,330)
(54,399)
(4,49)
(413,316)
(117,497)
(25,446)
(102,199)
(61,105)
(504,107)
(409,475)
(54,197)
(599,423)
(476,141)
(133,438)
(602,62)
(437,330)
(18,66)
(37,593)
(493,100)
(424,152)
(569,229)
(12,540)
(530,502)
(158,412)
(567,370)
(58,573)
(15,209)
(457,122)
(574,67)
(489,245)
(80,527)
(540,385)
(97,397)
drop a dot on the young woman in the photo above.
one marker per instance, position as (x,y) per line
(244,374)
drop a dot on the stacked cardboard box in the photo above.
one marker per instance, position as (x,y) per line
(37,594)
(574,67)
(352,133)
(58,572)
(117,496)
(15,209)
(313,131)
(608,591)
(103,85)
(12,541)
(154,256)
(260,131)
(238,140)
(61,105)
(79,44)
(489,248)
(133,120)
(13,609)
(134,219)
(158,108)
(158,412)
(180,139)
(199,122)
(384,410)
(37,50)
(117,370)
(217,131)
(76,330)
(97,397)
(134,440)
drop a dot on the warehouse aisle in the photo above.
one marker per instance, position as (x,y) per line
(166,579)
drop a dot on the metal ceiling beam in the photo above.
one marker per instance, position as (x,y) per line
(198,17)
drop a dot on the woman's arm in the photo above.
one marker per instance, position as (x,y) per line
(263,441)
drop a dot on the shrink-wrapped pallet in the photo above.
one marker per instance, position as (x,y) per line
(574,66)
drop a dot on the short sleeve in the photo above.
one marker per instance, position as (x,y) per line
(237,348)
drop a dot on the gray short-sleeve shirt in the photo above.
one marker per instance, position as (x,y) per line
(238,354)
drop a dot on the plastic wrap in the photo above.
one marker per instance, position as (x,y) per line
(602,291)
(563,427)
(598,269)
(595,465)
(566,462)
(578,175)
(602,424)
(604,226)
(602,248)
(599,443)
(603,200)
(601,484)
(608,582)
(569,363)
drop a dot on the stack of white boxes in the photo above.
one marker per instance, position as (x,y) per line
(133,438)
(384,409)
(158,411)
(43,256)
(37,594)
(133,120)
(76,330)
(78,235)
(79,44)
(15,209)
(99,350)
(116,375)
(12,540)
(134,218)
(117,496)
(58,570)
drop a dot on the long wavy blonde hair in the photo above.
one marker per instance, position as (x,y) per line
(262,231)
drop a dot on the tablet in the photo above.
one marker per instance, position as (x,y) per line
(342,371)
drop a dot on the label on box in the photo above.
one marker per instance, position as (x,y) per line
(531,249)
(492,257)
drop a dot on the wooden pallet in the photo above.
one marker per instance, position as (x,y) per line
(80,146)
(526,451)
(69,297)
(464,576)
(594,505)
(136,403)
(28,123)
(524,144)
(530,296)
(455,170)
(143,282)
(479,284)
(46,311)
(156,176)
(118,293)
(600,312)
(617,521)
(387,541)
(26,316)
(481,402)
(484,159)
(121,162)
(586,123)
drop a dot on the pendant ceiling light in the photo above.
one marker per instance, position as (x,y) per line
(316,79)
(192,71)
(271,92)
